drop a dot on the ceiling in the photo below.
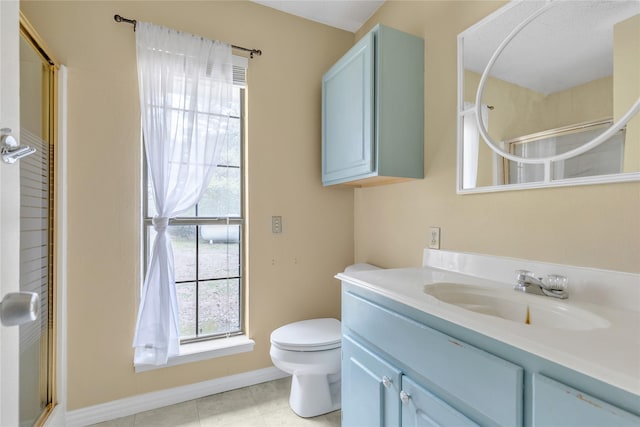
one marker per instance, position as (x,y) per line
(569,45)
(347,15)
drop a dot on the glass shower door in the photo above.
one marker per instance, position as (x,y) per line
(37,94)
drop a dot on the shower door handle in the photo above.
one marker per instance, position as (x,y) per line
(18,308)
(10,149)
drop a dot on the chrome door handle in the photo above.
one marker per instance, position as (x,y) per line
(18,308)
(10,150)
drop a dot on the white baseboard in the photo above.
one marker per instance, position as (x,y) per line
(56,418)
(157,399)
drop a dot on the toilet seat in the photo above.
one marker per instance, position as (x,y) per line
(308,335)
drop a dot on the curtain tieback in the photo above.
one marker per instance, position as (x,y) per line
(160,223)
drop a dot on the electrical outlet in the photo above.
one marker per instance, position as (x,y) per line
(276,224)
(434,237)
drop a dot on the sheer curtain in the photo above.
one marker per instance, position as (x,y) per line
(471,144)
(185,84)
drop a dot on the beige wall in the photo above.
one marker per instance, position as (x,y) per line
(290,275)
(583,103)
(520,111)
(511,104)
(596,226)
(626,68)
(505,121)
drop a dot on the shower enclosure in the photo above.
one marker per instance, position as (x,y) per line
(37,234)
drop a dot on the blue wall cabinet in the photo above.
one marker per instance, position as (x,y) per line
(373,111)
(444,375)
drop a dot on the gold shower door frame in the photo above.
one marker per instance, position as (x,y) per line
(47,371)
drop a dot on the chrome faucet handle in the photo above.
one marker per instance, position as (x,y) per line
(555,285)
(521,275)
(556,282)
(523,280)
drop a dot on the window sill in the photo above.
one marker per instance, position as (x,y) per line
(204,350)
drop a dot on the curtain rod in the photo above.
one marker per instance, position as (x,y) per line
(133,22)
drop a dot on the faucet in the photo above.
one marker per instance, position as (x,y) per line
(554,286)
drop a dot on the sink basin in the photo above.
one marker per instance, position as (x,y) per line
(517,306)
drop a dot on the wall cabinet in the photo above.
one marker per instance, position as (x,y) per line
(373,111)
(403,367)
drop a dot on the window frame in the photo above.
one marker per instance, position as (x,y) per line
(202,221)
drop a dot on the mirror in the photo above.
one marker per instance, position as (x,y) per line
(559,83)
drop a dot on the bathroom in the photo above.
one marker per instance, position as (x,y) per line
(289,275)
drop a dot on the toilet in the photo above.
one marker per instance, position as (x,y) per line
(309,350)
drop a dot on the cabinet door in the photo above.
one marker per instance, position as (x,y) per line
(556,404)
(370,388)
(420,408)
(347,115)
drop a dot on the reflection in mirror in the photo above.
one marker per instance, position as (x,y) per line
(562,81)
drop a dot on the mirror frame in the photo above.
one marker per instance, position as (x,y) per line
(461,111)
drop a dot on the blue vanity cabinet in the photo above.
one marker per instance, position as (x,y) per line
(373,111)
(558,404)
(445,381)
(453,376)
(373,391)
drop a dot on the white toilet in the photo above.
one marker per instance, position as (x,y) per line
(310,351)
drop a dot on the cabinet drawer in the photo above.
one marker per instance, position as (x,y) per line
(557,404)
(491,386)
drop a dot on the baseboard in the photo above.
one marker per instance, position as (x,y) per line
(157,399)
(56,418)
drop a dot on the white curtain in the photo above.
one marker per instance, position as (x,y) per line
(471,144)
(527,172)
(185,85)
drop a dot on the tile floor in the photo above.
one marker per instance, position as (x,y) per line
(261,405)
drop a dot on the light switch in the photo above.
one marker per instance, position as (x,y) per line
(276,224)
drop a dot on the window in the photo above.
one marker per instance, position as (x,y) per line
(606,158)
(208,239)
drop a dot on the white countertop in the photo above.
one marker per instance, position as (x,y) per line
(611,354)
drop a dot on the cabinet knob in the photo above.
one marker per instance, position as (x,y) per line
(404,397)
(386,381)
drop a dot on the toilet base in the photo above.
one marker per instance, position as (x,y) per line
(313,395)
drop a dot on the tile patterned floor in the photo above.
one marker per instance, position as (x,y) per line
(261,405)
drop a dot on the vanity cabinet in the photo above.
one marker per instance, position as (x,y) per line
(444,379)
(404,367)
(378,394)
(555,403)
(373,111)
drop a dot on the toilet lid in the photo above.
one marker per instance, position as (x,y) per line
(308,335)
